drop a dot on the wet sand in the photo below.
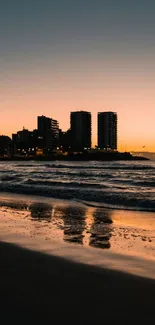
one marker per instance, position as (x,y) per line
(75,264)
(38,287)
(61,223)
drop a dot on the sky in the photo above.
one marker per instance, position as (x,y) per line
(58,56)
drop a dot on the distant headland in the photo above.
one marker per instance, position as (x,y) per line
(92,155)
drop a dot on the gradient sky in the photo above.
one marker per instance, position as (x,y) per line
(58,56)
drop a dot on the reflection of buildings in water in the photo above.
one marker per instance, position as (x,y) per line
(47,221)
(41,211)
(101,229)
(74,223)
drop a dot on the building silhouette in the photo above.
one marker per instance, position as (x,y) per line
(75,142)
(107,130)
(5,145)
(65,140)
(80,130)
(48,129)
(25,142)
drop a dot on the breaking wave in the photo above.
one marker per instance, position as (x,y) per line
(106,184)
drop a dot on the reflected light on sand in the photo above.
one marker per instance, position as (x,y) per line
(130,232)
(138,219)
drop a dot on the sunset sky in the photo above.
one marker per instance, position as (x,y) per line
(58,56)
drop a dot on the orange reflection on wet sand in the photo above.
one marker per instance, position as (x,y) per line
(121,232)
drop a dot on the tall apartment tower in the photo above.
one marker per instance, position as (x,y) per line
(49,130)
(80,130)
(107,130)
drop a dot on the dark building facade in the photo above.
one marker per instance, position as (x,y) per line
(107,130)
(65,140)
(80,130)
(5,145)
(48,129)
(25,142)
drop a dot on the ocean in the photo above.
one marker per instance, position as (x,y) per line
(115,185)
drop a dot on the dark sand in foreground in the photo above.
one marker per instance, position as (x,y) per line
(35,287)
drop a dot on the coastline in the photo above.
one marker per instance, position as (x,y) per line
(98,156)
(115,239)
(45,278)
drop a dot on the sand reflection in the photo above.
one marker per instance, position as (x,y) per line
(127,231)
(101,229)
(73,223)
(69,223)
(41,211)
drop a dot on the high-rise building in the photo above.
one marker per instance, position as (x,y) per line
(80,130)
(65,140)
(49,130)
(44,124)
(107,130)
(26,142)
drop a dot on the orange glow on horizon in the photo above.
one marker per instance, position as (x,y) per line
(27,94)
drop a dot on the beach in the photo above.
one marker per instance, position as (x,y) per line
(77,243)
(46,278)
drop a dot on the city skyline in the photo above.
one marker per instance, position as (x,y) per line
(77,138)
(94,138)
(96,56)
